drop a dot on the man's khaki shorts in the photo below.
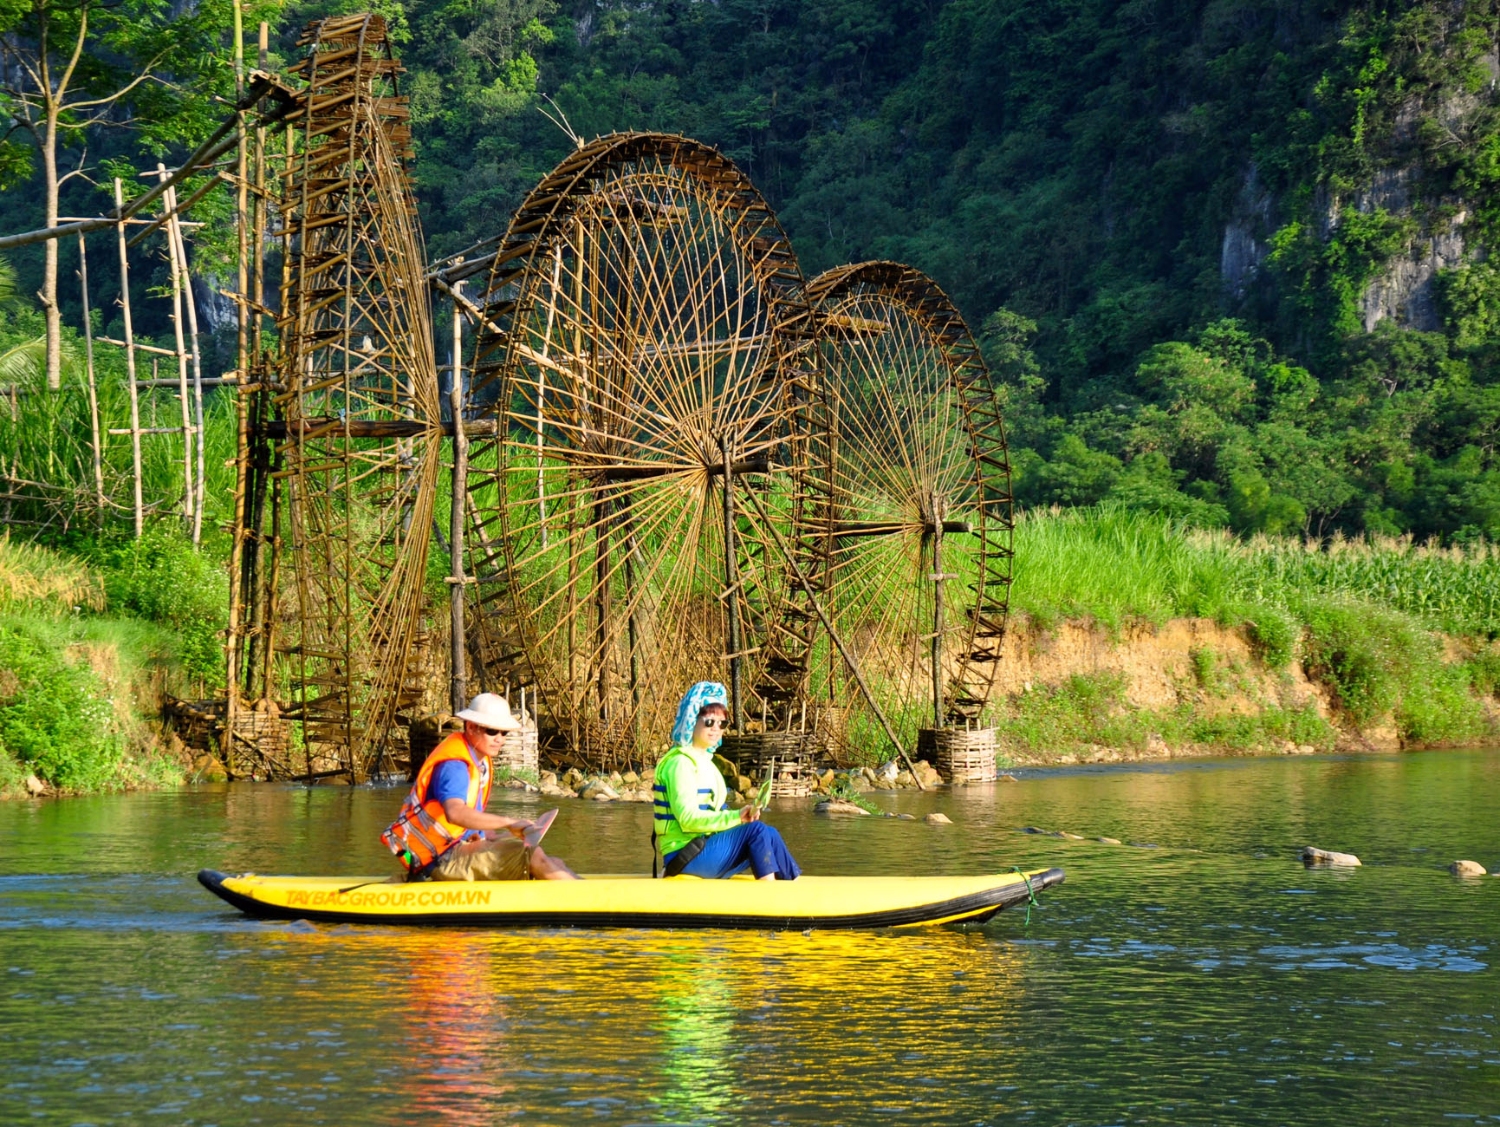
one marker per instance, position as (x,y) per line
(504,859)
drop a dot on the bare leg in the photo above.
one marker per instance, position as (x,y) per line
(768,876)
(544,867)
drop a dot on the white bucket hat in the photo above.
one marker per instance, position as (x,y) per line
(490,710)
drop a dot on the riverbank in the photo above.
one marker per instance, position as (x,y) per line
(89,648)
(1132,637)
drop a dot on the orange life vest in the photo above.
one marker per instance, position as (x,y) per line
(421,832)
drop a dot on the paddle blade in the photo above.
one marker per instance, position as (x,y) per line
(538,829)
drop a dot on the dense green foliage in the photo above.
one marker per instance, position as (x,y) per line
(55,717)
(85,656)
(1163,215)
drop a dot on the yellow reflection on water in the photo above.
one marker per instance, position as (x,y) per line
(699,1026)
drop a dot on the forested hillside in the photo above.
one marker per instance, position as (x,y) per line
(1228,255)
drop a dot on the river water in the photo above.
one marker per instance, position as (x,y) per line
(1195,974)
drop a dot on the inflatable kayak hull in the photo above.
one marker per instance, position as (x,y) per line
(635,902)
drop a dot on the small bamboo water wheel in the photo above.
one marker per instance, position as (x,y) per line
(919,523)
(643,350)
(349,429)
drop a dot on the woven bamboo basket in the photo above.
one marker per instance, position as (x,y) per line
(960,755)
(793,754)
(520,752)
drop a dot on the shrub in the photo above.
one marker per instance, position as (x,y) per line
(161,579)
(1444,712)
(56,718)
(1273,634)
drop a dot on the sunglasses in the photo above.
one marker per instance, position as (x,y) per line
(493,731)
(715,722)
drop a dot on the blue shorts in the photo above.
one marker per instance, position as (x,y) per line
(752,845)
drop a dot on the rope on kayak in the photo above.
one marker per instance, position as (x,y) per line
(1030,895)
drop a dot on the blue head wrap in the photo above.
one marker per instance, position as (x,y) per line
(704,692)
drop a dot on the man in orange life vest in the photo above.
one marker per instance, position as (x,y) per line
(443,833)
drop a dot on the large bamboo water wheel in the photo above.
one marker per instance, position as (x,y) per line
(919,524)
(642,350)
(354,420)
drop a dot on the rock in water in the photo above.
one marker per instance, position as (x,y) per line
(907,817)
(1312,855)
(1109,841)
(840,809)
(888,770)
(1467,869)
(936,819)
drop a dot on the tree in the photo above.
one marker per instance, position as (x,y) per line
(70,68)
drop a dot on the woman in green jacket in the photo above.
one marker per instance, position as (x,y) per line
(695,834)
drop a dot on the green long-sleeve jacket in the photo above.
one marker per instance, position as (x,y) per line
(688,798)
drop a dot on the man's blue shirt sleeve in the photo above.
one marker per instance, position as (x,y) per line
(450,780)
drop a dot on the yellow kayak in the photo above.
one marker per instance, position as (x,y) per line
(634,901)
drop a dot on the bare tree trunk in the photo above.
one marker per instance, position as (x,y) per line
(48,293)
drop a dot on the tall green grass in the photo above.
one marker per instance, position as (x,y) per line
(1363,616)
(1115,565)
(76,685)
(46,438)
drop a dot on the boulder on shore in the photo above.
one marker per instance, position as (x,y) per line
(1467,869)
(35,787)
(937,819)
(837,808)
(1312,855)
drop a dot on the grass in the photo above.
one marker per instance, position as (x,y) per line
(1117,565)
(48,441)
(76,686)
(35,579)
(1365,616)
(1089,711)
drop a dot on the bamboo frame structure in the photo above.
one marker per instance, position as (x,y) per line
(354,414)
(919,533)
(673,459)
(639,345)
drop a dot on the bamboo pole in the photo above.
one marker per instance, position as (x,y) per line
(732,593)
(180,352)
(937,622)
(458,648)
(255,561)
(232,641)
(88,345)
(192,313)
(135,402)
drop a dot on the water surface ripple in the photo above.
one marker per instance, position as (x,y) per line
(1196,976)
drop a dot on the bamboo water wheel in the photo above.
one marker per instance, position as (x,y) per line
(354,429)
(643,351)
(919,524)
